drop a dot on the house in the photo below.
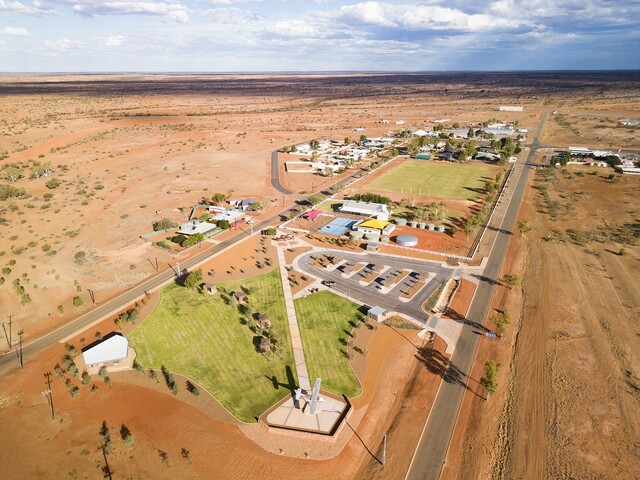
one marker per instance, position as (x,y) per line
(265,345)
(510,108)
(263,321)
(420,133)
(195,226)
(312,214)
(228,215)
(400,122)
(631,123)
(376,313)
(383,121)
(376,210)
(239,297)
(107,352)
(210,288)
(242,204)
(499,131)
(374,226)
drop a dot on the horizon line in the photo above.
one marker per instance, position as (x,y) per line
(308,72)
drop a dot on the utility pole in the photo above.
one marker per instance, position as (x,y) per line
(47,393)
(20,332)
(384,451)
(10,322)
(5,335)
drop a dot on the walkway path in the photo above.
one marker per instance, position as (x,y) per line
(292,320)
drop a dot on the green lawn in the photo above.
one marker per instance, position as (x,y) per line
(323,318)
(443,180)
(200,336)
(328,206)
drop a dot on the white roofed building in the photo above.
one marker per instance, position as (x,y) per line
(113,352)
(375,210)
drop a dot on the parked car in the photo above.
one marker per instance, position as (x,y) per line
(328,283)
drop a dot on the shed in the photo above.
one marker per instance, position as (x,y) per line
(111,349)
(312,214)
(265,345)
(372,247)
(263,321)
(210,288)
(239,297)
(376,313)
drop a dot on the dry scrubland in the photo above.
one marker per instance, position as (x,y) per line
(130,150)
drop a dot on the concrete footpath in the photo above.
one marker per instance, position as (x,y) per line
(294,330)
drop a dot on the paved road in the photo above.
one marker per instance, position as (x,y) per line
(8,360)
(275,174)
(431,453)
(369,294)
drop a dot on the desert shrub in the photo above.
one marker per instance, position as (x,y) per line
(77,302)
(80,257)
(52,183)
(8,191)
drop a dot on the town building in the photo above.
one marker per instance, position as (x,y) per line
(376,210)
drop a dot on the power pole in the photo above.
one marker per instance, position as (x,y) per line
(6,336)
(49,394)
(20,332)
(384,451)
(10,322)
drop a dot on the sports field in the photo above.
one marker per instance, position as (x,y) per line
(324,319)
(439,180)
(201,336)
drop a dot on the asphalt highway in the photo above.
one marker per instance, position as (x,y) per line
(431,453)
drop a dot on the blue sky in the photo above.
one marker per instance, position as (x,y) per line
(320,35)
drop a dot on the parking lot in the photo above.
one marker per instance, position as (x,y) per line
(375,279)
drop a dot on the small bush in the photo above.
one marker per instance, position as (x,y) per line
(77,302)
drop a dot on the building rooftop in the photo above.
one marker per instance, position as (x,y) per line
(109,350)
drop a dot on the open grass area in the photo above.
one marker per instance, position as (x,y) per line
(329,206)
(441,180)
(201,336)
(324,318)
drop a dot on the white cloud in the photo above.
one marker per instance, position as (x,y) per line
(232,15)
(293,28)
(15,32)
(420,17)
(176,12)
(20,8)
(113,40)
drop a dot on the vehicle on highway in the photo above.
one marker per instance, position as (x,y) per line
(328,283)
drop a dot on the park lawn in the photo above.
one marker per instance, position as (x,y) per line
(200,336)
(440,180)
(330,206)
(323,318)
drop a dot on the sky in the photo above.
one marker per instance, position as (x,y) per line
(317,35)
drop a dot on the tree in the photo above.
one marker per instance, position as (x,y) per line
(41,170)
(193,280)
(12,173)
(257,206)
(164,224)
(347,140)
(501,323)
(511,279)
(524,227)
(126,436)
(223,224)
(314,144)
(470,133)
(217,198)
(313,200)
(77,302)
(490,378)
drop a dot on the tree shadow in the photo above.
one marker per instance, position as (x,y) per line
(441,366)
(457,317)
(482,278)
